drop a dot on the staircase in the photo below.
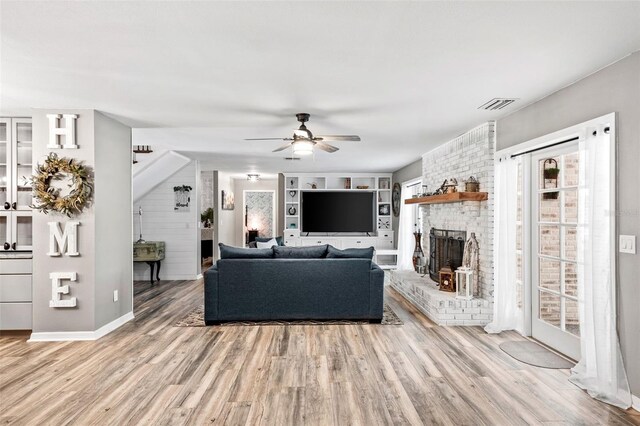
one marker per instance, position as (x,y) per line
(156,170)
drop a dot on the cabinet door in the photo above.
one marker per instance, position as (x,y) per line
(5,237)
(22,162)
(22,231)
(5,163)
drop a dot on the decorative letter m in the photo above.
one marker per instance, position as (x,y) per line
(63,240)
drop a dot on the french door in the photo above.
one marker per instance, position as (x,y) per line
(554,223)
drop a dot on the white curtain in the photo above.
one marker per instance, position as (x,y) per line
(507,315)
(406,241)
(600,370)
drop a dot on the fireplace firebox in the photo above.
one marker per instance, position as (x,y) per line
(445,247)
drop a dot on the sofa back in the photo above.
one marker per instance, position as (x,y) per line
(291,288)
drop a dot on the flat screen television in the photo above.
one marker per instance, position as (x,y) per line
(338,211)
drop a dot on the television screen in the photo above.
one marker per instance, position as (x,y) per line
(324,211)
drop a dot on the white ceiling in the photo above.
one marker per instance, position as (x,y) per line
(198,77)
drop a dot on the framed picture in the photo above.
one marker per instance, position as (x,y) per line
(227,200)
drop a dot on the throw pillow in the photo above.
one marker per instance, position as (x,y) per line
(280,240)
(230,252)
(350,253)
(309,252)
(268,244)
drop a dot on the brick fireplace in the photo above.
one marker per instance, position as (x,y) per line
(470,154)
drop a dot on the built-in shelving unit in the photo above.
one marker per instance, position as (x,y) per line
(379,183)
(455,197)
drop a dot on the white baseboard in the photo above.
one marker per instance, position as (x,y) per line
(63,336)
(635,403)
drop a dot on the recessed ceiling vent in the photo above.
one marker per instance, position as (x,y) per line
(497,103)
(291,158)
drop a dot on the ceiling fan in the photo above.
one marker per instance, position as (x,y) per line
(303,140)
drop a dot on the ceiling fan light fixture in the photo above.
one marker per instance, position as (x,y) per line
(302,148)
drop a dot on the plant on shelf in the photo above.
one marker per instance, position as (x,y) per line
(182,188)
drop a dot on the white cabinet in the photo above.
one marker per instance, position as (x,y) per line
(16,167)
(15,291)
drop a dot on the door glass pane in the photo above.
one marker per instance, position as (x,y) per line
(550,240)
(4,238)
(549,207)
(549,308)
(570,279)
(571,317)
(3,132)
(550,274)
(569,234)
(23,230)
(23,132)
(571,170)
(549,179)
(24,154)
(570,206)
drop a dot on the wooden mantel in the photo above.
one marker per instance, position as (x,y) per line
(456,197)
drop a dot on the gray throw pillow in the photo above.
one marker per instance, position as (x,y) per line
(308,252)
(230,252)
(350,253)
(280,240)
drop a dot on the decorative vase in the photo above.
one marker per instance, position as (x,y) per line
(292,211)
(418,254)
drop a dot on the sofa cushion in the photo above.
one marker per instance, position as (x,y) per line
(230,252)
(307,252)
(350,253)
(267,244)
(280,240)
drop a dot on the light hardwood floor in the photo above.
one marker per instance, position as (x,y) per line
(149,372)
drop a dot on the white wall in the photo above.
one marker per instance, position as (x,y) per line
(241,185)
(615,88)
(227,225)
(179,230)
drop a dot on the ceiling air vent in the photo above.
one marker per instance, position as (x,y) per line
(291,158)
(497,103)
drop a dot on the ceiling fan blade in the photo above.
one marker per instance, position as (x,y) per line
(326,147)
(282,148)
(352,138)
(267,139)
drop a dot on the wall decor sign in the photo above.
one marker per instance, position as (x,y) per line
(182,195)
(48,198)
(63,243)
(228,202)
(56,290)
(68,131)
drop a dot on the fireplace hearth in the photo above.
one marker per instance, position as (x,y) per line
(445,247)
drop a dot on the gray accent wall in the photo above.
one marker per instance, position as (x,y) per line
(615,88)
(408,172)
(104,234)
(113,216)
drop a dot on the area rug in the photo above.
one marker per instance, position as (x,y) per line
(195,318)
(534,354)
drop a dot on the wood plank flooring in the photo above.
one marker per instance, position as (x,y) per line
(149,372)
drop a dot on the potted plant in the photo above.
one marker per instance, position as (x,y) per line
(206,217)
(551,173)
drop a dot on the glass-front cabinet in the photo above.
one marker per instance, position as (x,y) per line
(16,167)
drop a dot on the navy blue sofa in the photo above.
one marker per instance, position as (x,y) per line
(289,283)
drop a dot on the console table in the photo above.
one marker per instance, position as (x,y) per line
(152,253)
